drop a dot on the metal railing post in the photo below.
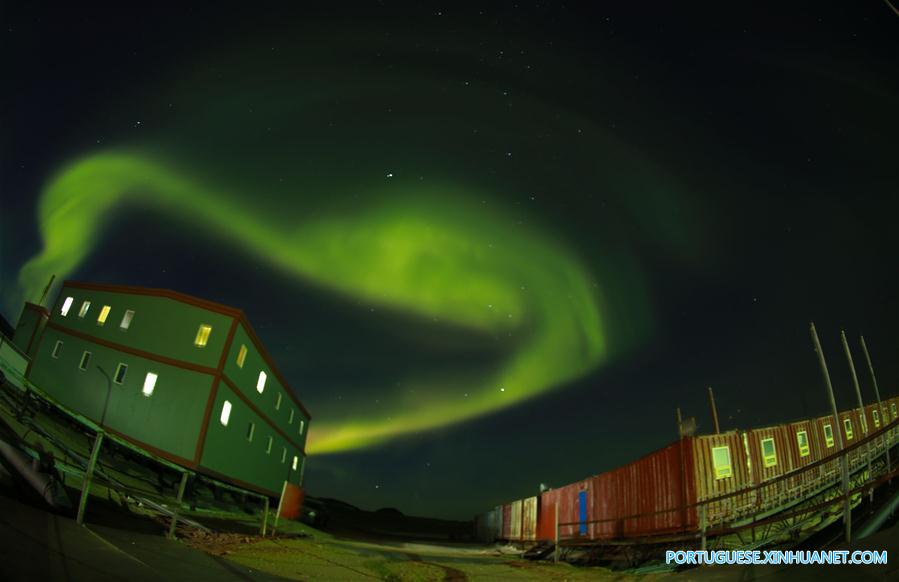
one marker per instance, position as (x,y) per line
(265,516)
(88,476)
(181,487)
(702,526)
(556,550)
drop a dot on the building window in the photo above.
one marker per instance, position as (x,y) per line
(847,424)
(290,417)
(226,413)
(241,355)
(876,418)
(893,408)
(56,348)
(260,382)
(66,305)
(126,319)
(120,372)
(149,384)
(769,454)
(104,313)
(802,441)
(278,402)
(85,305)
(828,435)
(202,335)
(295,461)
(302,425)
(251,430)
(268,445)
(721,462)
(85,360)
(283,454)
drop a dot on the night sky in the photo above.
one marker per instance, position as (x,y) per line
(489,247)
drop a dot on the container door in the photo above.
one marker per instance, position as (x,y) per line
(582,512)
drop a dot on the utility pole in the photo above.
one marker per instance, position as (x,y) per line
(714,411)
(861,404)
(884,420)
(844,462)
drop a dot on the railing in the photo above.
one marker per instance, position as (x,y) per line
(765,502)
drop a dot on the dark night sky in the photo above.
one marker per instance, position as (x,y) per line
(491,247)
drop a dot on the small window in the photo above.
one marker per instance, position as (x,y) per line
(126,319)
(66,305)
(302,425)
(149,384)
(802,441)
(847,424)
(283,454)
(828,435)
(120,372)
(769,453)
(290,417)
(268,445)
(260,382)
(104,313)
(278,402)
(84,307)
(893,408)
(296,460)
(202,335)
(85,360)
(226,413)
(721,462)
(241,355)
(251,430)
(876,416)
(56,348)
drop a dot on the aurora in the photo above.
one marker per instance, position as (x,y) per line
(439,257)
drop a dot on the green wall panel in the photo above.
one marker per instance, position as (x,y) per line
(245,379)
(228,451)
(161,325)
(169,419)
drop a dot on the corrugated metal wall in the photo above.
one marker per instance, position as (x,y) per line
(515,521)
(529,519)
(655,488)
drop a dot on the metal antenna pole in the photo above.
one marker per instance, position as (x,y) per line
(714,411)
(844,462)
(46,290)
(884,420)
(861,404)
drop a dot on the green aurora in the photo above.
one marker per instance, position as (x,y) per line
(436,259)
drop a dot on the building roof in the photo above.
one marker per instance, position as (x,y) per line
(204,304)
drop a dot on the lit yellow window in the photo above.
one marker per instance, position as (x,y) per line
(66,305)
(721,462)
(876,418)
(104,313)
(828,435)
(769,453)
(296,461)
(847,424)
(149,384)
(202,335)
(802,441)
(260,382)
(241,355)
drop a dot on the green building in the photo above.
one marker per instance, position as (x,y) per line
(184,378)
